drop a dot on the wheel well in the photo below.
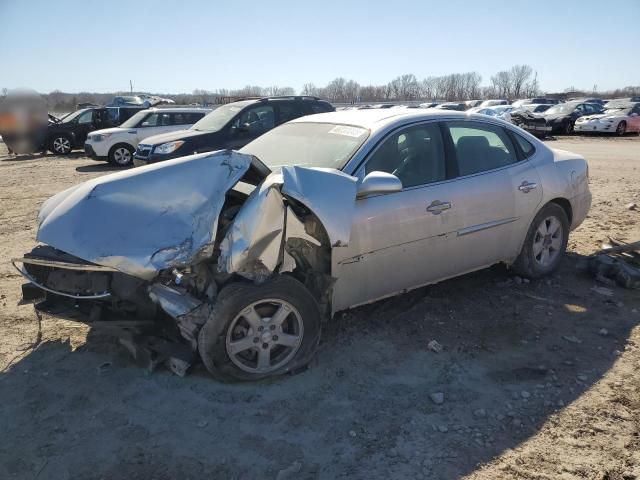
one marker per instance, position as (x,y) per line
(121,144)
(566,206)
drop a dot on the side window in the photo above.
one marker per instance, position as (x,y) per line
(525,145)
(86,117)
(164,119)
(194,117)
(415,155)
(257,120)
(480,147)
(317,107)
(288,111)
(178,118)
(150,121)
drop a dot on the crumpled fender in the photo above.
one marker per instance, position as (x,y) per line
(329,193)
(253,244)
(146,219)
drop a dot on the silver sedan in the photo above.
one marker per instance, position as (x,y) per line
(247,252)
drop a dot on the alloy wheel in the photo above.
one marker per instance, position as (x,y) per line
(264,336)
(547,241)
(122,156)
(62,145)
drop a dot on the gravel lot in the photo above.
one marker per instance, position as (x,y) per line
(537,380)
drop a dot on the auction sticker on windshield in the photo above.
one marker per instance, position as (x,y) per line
(348,131)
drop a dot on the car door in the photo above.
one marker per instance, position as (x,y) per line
(634,119)
(84,125)
(288,110)
(493,197)
(151,125)
(398,240)
(249,124)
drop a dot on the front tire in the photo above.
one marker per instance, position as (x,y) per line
(545,243)
(61,145)
(121,155)
(567,128)
(621,129)
(260,331)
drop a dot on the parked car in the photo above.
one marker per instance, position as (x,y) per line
(597,101)
(117,144)
(535,101)
(562,117)
(493,103)
(473,103)
(243,275)
(457,106)
(430,104)
(230,126)
(534,123)
(536,108)
(499,111)
(71,131)
(627,99)
(618,117)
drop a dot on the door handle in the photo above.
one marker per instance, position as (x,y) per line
(526,187)
(437,207)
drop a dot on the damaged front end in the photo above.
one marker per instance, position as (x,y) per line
(144,253)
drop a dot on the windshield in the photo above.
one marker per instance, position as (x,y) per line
(217,119)
(135,120)
(72,116)
(562,108)
(325,145)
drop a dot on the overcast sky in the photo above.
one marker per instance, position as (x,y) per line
(180,45)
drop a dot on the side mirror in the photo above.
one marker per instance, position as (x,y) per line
(634,114)
(379,182)
(244,127)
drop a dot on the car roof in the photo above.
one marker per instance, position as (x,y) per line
(178,109)
(378,119)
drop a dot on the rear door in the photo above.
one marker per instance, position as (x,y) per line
(288,110)
(489,208)
(634,119)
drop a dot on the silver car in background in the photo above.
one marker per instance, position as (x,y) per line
(246,252)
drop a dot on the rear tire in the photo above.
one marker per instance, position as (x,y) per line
(121,155)
(621,129)
(260,331)
(545,243)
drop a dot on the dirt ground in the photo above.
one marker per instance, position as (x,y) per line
(539,380)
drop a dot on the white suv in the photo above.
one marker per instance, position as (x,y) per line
(118,144)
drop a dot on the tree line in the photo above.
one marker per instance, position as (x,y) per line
(520,81)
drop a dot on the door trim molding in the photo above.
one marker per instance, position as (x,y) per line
(485,226)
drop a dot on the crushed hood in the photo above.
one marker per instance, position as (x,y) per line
(147,219)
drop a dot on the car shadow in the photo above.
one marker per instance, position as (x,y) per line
(39,156)
(512,354)
(100,167)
